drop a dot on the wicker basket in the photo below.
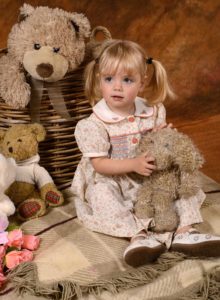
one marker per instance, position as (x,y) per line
(59,153)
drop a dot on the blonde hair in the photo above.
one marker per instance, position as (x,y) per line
(131,58)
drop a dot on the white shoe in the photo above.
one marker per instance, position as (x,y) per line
(197,244)
(143,251)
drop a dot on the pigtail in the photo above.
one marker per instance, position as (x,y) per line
(91,82)
(159,82)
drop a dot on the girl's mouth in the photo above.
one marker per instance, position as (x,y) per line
(117,98)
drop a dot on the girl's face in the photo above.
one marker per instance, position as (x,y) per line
(119,91)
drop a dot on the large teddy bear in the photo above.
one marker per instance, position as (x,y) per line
(33,189)
(43,46)
(7,177)
(177,160)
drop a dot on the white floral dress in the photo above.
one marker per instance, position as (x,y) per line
(105,203)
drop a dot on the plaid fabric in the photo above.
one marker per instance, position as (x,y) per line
(29,209)
(72,256)
(52,197)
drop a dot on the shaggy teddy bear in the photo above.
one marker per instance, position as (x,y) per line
(33,188)
(177,160)
(45,45)
(7,177)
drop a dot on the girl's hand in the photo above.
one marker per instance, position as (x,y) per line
(161,126)
(143,164)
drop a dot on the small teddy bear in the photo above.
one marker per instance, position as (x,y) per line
(177,160)
(44,45)
(7,177)
(33,188)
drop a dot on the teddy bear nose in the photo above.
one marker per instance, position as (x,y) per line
(10,149)
(44,70)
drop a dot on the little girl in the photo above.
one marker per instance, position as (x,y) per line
(104,191)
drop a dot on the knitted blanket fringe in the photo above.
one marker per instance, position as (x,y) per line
(25,279)
(206,289)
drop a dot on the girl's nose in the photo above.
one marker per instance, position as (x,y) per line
(117,85)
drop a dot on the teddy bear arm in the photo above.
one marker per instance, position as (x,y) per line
(187,156)
(47,189)
(41,176)
(13,86)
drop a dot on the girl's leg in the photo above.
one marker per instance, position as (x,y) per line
(187,239)
(110,214)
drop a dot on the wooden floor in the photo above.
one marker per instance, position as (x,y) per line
(184,35)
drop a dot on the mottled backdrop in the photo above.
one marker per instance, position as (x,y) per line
(183,34)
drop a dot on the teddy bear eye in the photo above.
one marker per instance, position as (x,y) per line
(19,140)
(166,145)
(55,50)
(37,46)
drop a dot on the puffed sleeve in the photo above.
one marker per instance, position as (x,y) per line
(92,138)
(160,116)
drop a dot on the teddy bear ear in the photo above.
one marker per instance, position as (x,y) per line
(81,24)
(25,11)
(39,131)
(99,39)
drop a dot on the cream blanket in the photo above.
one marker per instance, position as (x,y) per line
(73,261)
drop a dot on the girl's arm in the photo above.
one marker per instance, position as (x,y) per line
(142,165)
(160,121)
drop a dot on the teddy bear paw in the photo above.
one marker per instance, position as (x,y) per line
(30,209)
(54,198)
(165,223)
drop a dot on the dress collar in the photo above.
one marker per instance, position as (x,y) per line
(103,112)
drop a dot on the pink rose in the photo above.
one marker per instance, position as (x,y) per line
(14,258)
(15,238)
(26,255)
(2,279)
(30,242)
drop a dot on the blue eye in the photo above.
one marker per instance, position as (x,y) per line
(128,80)
(108,78)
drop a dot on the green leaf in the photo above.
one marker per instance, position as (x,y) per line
(12,226)
(9,249)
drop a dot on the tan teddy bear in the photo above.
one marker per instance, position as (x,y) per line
(44,45)
(33,188)
(177,160)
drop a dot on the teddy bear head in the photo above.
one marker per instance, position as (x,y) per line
(48,42)
(171,148)
(21,141)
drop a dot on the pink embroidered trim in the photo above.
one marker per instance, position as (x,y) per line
(132,133)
